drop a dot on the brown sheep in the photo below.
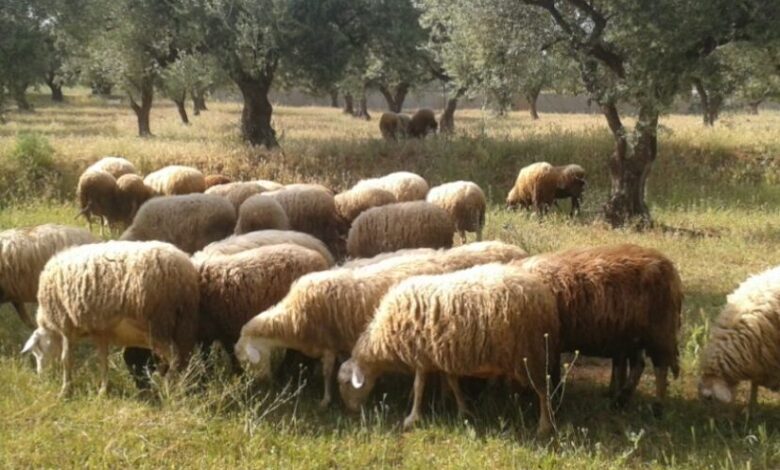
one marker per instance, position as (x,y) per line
(97,195)
(570,184)
(422,123)
(237,192)
(616,302)
(538,186)
(261,212)
(215,180)
(393,125)
(353,202)
(132,193)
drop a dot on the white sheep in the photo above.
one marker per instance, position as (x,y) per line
(404,185)
(325,313)
(116,166)
(248,241)
(466,204)
(745,341)
(260,212)
(23,254)
(417,224)
(353,202)
(190,222)
(176,180)
(132,294)
(487,321)
(237,192)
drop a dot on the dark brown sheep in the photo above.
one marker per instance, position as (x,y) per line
(617,302)
(393,125)
(422,123)
(214,180)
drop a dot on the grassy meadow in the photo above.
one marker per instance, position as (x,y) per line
(714,193)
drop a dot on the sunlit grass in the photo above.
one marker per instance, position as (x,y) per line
(713,192)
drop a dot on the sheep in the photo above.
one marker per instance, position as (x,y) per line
(23,254)
(486,321)
(269,185)
(189,222)
(538,185)
(237,192)
(235,287)
(115,166)
(132,294)
(393,125)
(325,313)
(215,180)
(132,193)
(422,123)
(745,341)
(308,186)
(466,204)
(97,195)
(176,180)
(616,302)
(353,202)
(251,240)
(312,210)
(260,212)
(417,224)
(361,262)
(404,185)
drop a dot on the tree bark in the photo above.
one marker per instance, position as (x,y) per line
(710,103)
(334,98)
(395,99)
(19,92)
(629,166)
(256,115)
(447,119)
(532,97)
(143,109)
(56,93)
(198,101)
(349,105)
(362,111)
(180,101)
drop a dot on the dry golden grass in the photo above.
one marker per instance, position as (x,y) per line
(713,191)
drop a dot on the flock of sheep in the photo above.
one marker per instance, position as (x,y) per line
(366,281)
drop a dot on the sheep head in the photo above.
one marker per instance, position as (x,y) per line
(711,386)
(355,384)
(45,346)
(255,354)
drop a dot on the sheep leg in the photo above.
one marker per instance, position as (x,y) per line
(661,382)
(24,315)
(575,206)
(328,365)
(419,390)
(618,378)
(102,353)
(452,381)
(462,234)
(67,366)
(753,399)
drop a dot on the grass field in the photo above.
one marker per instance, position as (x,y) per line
(714,193)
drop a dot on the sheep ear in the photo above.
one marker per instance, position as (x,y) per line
(31,342)
(357,377)
(252,354)
(722,392)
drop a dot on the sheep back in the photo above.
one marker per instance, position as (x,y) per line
(422,123)
(132,193)
(353,202)
(404,185)
(176,180)
(535,186)
(464,201)
(312,210)
(248,241)
(97,194)
(237,192)
(215,180)
(393,227)
(189,222)
(115,166)
(260,212)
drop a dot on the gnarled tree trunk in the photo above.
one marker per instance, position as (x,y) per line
(19,92)
(256,114)
(144,108)
(447,119)
(710,103)
(349,104)
(198,101)
(179,100)
(334,98)
(362,111)
(395,99)
(532,97)
(629,166)
(55,87)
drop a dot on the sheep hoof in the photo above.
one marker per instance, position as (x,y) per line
(409,423)
(323,404)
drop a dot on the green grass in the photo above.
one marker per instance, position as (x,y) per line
(713,192)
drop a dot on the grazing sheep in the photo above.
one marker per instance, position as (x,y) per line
(422,123)
(235,287)
(570,183)
(466,204)
(189,222)
(616,302)
(237,192)
(215,180)
(115,166)
(745,341)
(123,293)
(405,186)
(417,224)
(353,202)
(269,185)
(132,193)
(312,186)
(261,213)
(311,209)
(176,180)
(538,185)
(393,125)
(252,240)
(97,195)
(325,313)
(24,252)
(361,262)
(487,321)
